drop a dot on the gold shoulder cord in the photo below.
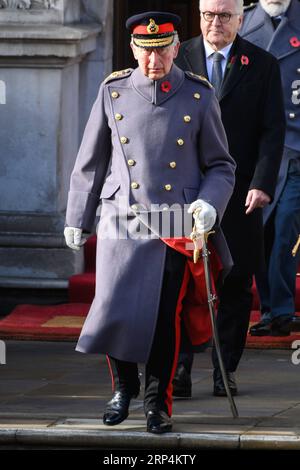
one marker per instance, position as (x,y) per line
(295,249)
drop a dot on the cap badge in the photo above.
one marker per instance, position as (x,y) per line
(152,27)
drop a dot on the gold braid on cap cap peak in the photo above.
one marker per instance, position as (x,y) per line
(162,41)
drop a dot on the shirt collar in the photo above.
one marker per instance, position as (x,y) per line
(209,50)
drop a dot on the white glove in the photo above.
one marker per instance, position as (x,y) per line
(74,238)
(204,215)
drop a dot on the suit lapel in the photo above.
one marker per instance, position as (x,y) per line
(195,57)
(235,69)
(196,61)
(261,25)
(261,32)
(281,44)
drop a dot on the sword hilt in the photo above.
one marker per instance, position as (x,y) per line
(295,249)
(204,238)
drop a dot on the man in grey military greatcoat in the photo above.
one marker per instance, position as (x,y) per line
(154,139)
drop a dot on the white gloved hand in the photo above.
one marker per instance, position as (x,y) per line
(205,216)
(74,238)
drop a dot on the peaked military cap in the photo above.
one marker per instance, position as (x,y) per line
(153,28)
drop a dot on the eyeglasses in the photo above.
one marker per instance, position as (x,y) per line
(224,18)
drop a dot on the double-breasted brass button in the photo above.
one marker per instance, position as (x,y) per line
(298,70)
(168,187)
(135,185)
(124,140)
(187,118)
(197,96)
(292,115)
(131,162)
(172,164)
(180,142)
(118,116)
(115,94)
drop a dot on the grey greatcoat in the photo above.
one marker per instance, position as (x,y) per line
(258,29)
(146,142)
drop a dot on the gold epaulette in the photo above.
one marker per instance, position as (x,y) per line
(118,74)
(249,7)
(199,78)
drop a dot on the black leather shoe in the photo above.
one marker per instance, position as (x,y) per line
(182,383)
(284,325)
(281,325)
(295,324)
(263,328)
(158,422)
(219,388)
(117,408)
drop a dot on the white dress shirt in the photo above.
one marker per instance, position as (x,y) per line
(209,51)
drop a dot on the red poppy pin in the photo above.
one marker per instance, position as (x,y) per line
(244,60)
(294,42)
(231,62)
(165,86)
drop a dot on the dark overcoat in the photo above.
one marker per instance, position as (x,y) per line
(253,117)
(147,144)
(282,43)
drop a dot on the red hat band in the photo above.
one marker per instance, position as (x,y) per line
(154,28)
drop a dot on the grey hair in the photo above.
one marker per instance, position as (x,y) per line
(176,39)
(238,3)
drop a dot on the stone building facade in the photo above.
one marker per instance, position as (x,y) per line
(53,56)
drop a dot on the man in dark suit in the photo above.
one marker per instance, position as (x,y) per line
(276,28)
(248,86)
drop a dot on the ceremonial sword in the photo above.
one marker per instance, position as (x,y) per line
(295,249)
(211,299)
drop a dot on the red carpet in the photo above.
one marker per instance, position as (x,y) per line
(39,322)
(63,322)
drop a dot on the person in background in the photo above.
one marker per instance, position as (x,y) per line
(275,26)
(248,86)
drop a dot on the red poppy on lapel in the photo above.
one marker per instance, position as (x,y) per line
(231,62)
(165,86)
(244,60)
(294,42)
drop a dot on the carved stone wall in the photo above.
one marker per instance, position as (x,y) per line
(49,76)
(39,11)
(26,4)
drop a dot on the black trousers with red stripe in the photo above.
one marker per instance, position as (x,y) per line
(159,369)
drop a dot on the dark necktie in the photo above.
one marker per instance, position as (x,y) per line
(276,20)
(217,73)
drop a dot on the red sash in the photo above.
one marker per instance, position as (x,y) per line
(192,303)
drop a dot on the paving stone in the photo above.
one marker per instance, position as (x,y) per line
(51,395)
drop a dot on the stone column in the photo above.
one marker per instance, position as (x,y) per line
(52,59)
